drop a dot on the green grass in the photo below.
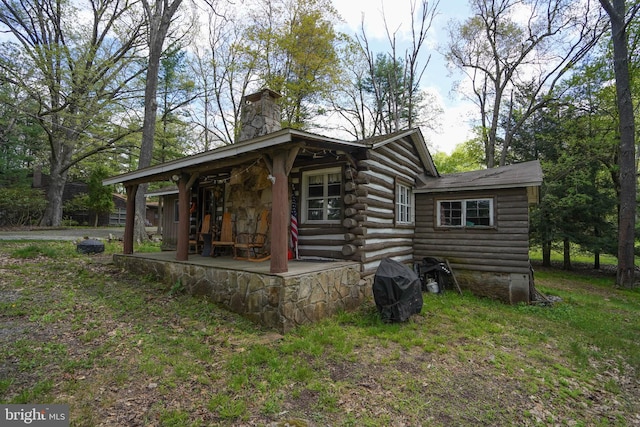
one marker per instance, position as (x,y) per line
(577,256)
(106,342)
(35,250)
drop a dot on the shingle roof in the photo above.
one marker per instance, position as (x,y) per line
(279,138)
(525,174)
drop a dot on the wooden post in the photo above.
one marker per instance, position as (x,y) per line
(182,247)
(280,214)
(127,244)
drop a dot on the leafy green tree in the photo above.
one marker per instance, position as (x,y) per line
(398,105)
(578,200)
(75,68)
(21,205)
(617,12)
(100,197)
(295,47)
(465,157)
(176,91)
(22,140)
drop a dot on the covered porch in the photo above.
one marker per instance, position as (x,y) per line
(269,159)
(307,292)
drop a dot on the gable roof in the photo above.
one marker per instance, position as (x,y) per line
(241,151)
(527,174)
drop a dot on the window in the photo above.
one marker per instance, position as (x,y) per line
(322,195)
(465,213)
(404,204)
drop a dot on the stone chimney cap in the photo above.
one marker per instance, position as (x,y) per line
(258,95)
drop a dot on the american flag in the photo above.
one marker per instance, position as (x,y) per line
(294,220)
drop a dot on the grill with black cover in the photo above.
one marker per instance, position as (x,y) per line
(396,291)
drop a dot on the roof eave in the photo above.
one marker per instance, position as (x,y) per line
(266,141)
(421,146)
(263,142)
(478,187)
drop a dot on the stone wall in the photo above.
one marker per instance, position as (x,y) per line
(248,194)
(281,302)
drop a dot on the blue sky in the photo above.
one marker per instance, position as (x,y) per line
(454,126)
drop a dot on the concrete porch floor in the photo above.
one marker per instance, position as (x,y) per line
(227,262)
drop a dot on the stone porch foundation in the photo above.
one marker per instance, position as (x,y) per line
(279,301)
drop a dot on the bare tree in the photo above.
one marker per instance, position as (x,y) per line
(159,16)
(513,48)
(384,91)
(224,70)
(616,10)
(75,71)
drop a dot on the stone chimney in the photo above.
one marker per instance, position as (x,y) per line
(259,115)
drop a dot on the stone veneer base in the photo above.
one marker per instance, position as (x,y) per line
(279,301)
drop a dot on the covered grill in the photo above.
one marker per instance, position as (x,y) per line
(396,291)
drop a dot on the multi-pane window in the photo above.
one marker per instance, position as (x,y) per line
(404,204)
(465,213)
(323,195)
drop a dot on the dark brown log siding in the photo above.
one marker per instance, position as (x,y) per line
(501,249)
(381,168)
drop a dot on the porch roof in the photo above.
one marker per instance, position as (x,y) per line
(228,156)
(527,174)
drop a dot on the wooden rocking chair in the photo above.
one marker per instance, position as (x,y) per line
(253,242)
(198,243)
(226,234)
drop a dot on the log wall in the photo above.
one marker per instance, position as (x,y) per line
(492,261)
(368,232)
(371,205)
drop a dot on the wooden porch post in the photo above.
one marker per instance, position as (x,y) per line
(280,214)
(182,249)
(129,219)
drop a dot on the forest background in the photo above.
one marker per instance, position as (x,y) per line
(93,88)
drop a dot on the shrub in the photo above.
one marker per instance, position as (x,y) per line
(21,206)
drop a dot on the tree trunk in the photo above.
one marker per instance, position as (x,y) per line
(546,254)
(626,161)
(53,213)
(139,229)
(58,179)
(566,262)
(159,18)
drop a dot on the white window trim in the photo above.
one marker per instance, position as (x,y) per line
(304,201)
(410,204)
(463,203)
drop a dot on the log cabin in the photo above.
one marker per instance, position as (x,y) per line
(358,201)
